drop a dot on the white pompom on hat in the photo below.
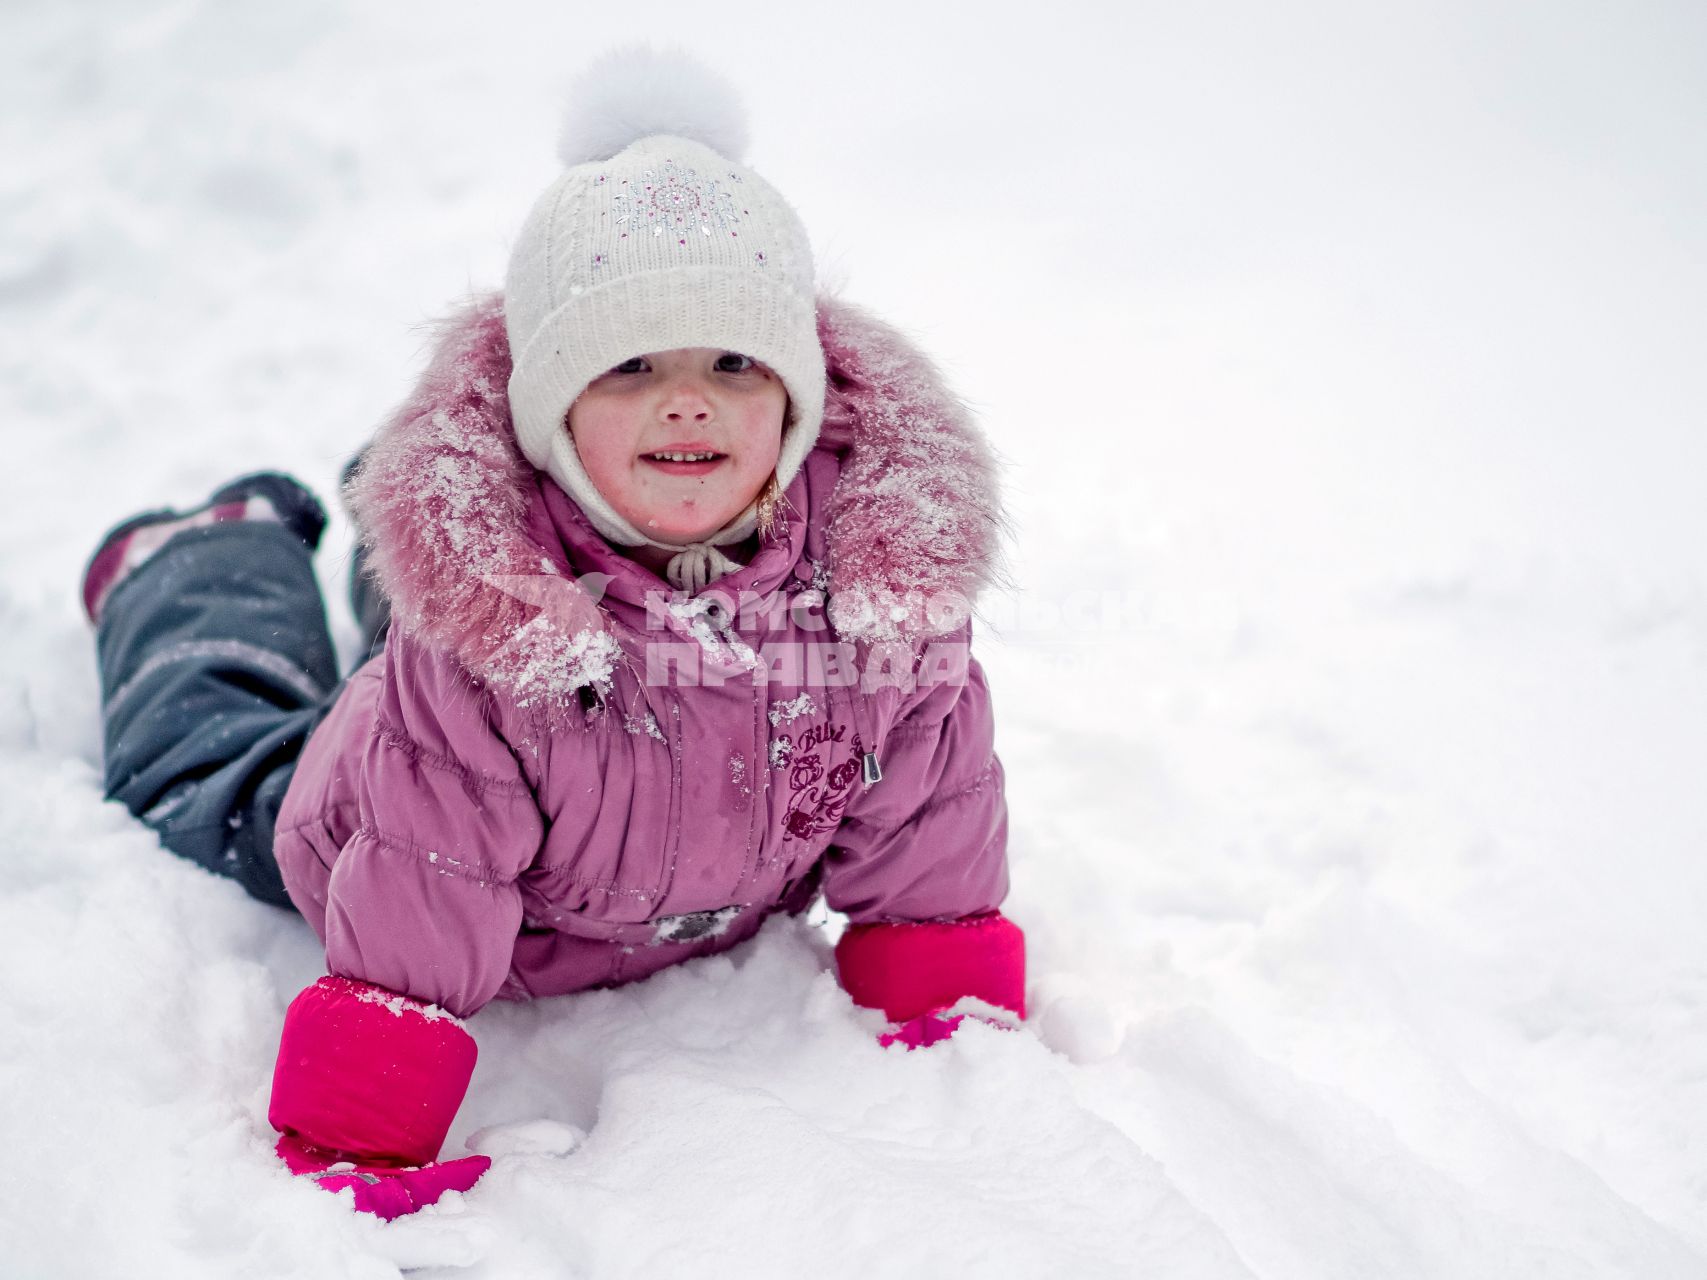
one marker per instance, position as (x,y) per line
(655,238)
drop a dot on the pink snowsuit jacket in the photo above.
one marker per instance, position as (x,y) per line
(544,783)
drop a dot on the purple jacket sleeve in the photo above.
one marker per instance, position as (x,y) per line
(929,841)
(423,897)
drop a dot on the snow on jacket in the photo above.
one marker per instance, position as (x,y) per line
(558,774)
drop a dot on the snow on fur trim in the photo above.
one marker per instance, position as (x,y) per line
(441,495)
(916,523)
(912,529)
(637,92)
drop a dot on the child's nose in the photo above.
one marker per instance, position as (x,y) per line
(685,400)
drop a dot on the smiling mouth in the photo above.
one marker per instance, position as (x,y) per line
(704,455)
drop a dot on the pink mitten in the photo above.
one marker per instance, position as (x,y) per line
(384,1191)
(923,1031)
(366,1086)
(936,1026)
(916,972)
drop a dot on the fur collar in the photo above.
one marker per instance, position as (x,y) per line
(441,496)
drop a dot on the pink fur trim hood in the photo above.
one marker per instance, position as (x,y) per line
(912,530)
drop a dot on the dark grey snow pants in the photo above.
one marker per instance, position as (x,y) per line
(216,664)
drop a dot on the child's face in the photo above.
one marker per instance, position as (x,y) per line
(694,400)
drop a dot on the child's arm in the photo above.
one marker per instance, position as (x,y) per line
(423,899)
(920,864)
(420,920)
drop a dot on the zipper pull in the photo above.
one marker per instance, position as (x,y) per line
(873,770)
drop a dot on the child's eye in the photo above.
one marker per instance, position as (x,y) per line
(635,365)
(734,362)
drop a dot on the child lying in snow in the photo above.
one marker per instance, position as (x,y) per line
(560,773)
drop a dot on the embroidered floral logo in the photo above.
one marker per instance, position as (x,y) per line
(679,201)
(819,791)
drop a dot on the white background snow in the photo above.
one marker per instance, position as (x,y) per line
(1347,361)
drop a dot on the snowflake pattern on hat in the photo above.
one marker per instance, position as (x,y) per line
(679,201)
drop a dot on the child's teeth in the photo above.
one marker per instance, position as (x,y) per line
(685,457)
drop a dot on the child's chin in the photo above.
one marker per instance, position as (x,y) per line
(682,535)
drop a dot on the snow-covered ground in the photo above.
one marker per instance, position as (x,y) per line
(1347,360)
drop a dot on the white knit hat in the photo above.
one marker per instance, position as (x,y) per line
(656,238)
